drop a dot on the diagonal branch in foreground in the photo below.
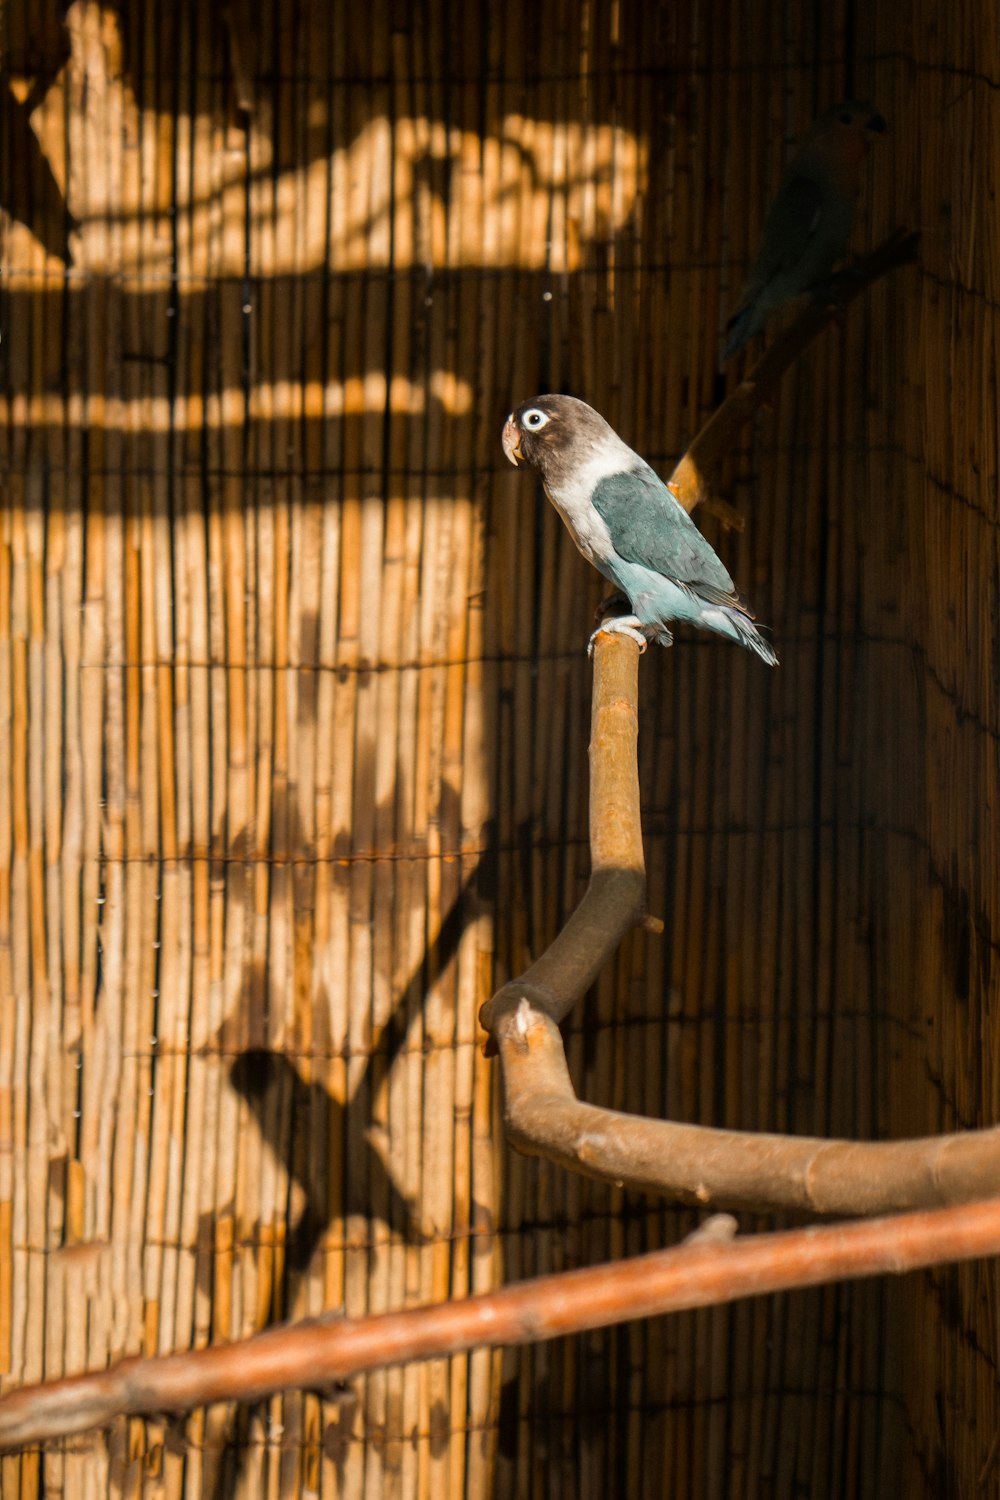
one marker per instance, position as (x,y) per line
(689,1163)
(697,470)
(708,1270)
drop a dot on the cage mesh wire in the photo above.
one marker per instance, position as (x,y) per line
(295,711)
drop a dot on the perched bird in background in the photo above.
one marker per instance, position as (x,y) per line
(626,522)
(809,223)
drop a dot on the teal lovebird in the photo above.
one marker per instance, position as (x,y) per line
(626,522)
(809,223)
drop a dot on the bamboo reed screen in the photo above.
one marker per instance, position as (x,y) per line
(294,711)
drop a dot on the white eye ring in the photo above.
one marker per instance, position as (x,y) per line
(534,420)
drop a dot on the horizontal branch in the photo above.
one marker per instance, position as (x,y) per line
(698,468)
(731,1168)
(708,1270)
(688,1163)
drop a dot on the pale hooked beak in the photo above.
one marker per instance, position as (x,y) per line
(512,441)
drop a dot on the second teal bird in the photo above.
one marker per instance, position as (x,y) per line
(808,225)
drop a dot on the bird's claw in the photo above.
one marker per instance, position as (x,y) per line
(620,625)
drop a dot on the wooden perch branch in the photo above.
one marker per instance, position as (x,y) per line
(697,470)
(616,895)
(708,1270)
(690,1163)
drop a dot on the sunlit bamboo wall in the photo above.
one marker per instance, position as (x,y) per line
(294,713)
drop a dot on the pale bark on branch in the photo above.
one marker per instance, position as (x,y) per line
(708,1270)
(688,1163)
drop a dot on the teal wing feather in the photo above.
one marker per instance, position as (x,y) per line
(649,527)
(791,222)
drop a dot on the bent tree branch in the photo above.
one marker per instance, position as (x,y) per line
(688,1163)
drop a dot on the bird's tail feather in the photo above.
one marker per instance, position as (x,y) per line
(739,628)
(741,330)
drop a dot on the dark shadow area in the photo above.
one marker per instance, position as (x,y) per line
(31,193)
(176,349)
(253,65)
(256,1076)
(259,1073)
(365,1178)
(299,1117)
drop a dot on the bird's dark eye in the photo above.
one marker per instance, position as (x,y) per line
(846,119)
(534,420)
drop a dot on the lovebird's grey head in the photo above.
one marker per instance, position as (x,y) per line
(846,131)
(556,434)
